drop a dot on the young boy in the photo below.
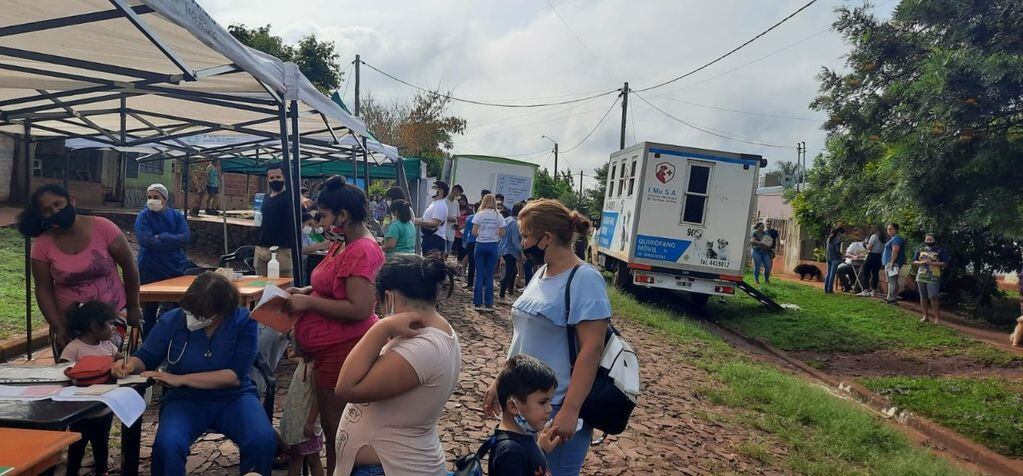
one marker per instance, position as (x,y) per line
(525,388)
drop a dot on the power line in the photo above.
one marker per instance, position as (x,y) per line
(737,48)
(570,149)
(485,103)
(804,40)
(737,111)
(545,121)
(570,30)
(707,129)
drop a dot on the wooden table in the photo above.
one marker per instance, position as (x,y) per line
(52,415)
(171,290)
(33,451)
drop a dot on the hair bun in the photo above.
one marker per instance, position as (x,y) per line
(434,271)
(334,183)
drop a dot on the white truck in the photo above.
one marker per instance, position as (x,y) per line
(511,178)
(678,218)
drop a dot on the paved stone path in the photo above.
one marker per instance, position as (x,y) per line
(674,430)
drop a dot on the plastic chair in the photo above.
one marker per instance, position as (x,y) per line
(244,254)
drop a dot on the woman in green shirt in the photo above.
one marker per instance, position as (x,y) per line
(401,234)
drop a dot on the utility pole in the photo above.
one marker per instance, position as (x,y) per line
(358,62)
(555,155)
(580,186)
(801,163)
(625,111)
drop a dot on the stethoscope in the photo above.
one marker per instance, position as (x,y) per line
(184,347)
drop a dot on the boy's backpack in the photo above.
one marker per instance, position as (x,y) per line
(616,386)
(472,464)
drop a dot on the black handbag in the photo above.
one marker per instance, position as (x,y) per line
(607,408)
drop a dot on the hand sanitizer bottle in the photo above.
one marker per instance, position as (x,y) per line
(273,267)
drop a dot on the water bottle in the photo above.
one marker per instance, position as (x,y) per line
(257,207)
(273,267)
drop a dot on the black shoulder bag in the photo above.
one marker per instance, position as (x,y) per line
(607,408)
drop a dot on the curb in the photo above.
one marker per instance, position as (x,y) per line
(956,444)
(18,346)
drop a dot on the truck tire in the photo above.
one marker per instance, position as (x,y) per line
(698,300)
(622,278)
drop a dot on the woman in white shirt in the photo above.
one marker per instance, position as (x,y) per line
(488,226)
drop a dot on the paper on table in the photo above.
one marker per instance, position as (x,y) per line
(126,403)
(270,309)
(33,374)
(131,380)
(95,389)
(28,393)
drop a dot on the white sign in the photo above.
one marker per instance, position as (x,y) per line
(515,188)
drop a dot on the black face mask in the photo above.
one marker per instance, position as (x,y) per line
(535,253)
(63,219)
(277,185)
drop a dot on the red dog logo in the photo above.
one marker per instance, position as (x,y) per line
(665,172)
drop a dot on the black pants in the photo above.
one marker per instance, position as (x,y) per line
(97,432)
(528,267)
(511,271)
(470,250)
(871,271)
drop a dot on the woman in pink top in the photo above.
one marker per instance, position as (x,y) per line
(75,258)
(399,376)
(338,308)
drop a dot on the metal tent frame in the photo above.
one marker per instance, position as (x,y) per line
(153,73)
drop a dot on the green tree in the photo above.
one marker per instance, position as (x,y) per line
(318,60)
(420,128)
(787,174)
(594,196)
(925,128)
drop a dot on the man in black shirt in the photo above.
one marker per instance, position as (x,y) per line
(278,227)
(773,233)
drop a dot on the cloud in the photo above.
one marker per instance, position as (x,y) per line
(521,50)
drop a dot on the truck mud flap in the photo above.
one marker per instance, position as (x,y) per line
(759,296)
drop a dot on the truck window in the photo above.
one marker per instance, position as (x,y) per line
(695,206)
(621,179)
(611,181)
(632,176)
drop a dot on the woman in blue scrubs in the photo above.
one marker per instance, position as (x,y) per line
(162,233)
(208,346)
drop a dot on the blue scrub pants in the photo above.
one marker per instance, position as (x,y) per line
(241,419)
(486,266)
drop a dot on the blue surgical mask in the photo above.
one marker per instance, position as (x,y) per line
(522,423)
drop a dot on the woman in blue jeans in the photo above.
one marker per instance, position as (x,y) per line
(834,253)
(488,226)
(539,322)
(761,242)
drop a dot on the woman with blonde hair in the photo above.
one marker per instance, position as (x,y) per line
(488,227)
(540,318)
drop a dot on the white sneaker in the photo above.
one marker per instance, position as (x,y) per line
(488,308)
(477,308)
(864,294)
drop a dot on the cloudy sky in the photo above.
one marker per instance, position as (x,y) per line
(523,52)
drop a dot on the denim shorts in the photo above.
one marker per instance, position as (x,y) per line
(928,290)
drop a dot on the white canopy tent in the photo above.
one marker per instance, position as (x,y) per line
(130,73)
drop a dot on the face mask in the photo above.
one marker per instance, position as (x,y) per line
(522,422)
(929,245)
(433,192)
(277,185)
(63,219)
(194,323)
(154,204)
(318,230)
(307,229)
(535,252)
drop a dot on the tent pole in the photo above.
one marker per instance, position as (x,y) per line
(296,195)
(365,164)
(185,172)
(67,165)
(27,151)
(223,209)
(288,178)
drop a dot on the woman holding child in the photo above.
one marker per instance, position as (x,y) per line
(339,306)
(77,258)
(539,320)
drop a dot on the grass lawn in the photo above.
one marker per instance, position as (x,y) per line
(825,434)
(989,411)
(12,286)
(845,323)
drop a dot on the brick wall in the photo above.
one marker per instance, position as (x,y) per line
(7,145)
(86,194)
(207,236)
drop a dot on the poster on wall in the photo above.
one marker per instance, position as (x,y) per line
(515,188)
